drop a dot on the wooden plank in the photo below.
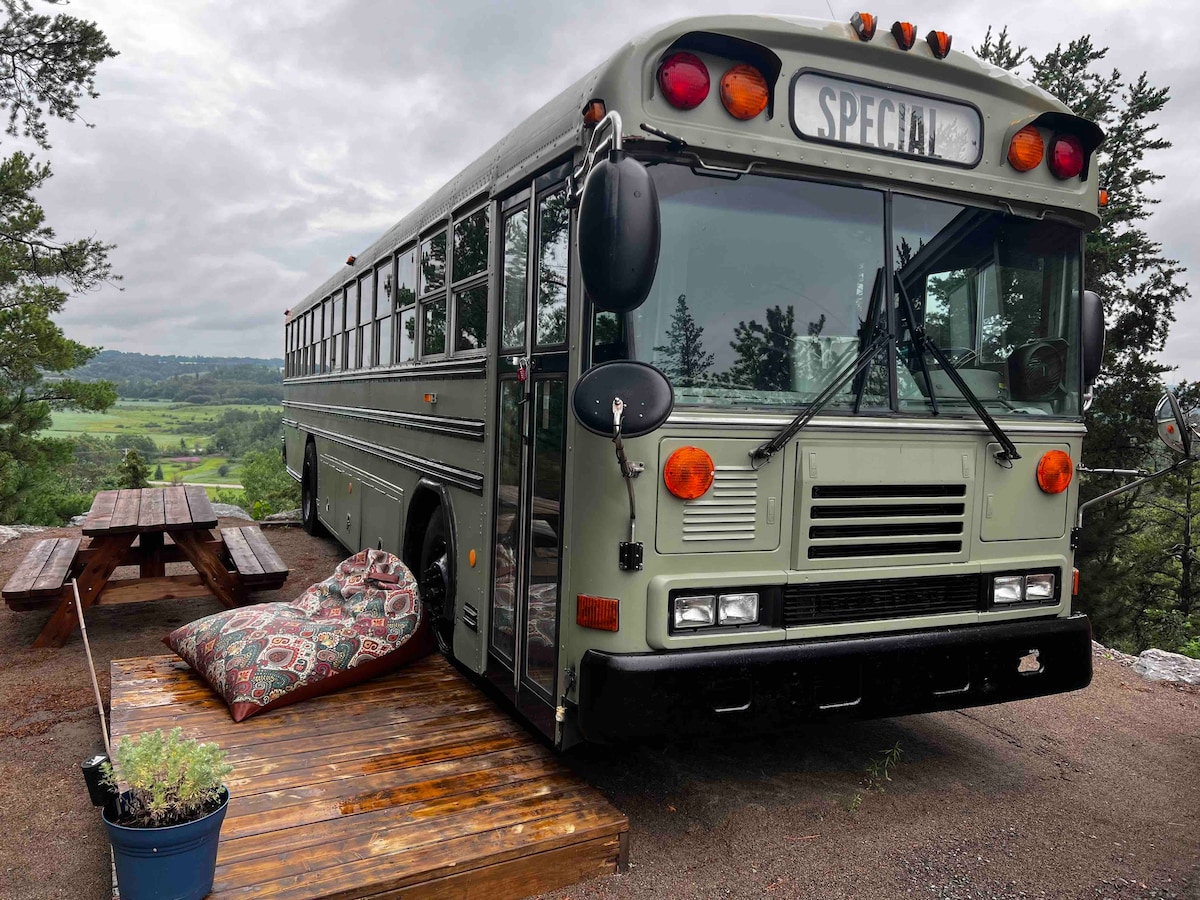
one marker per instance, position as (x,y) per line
(225,585)
(150,551)
(176,507)
(125,514)
(267,557)
(136,556)
(101,512)
(152,516)
(110,550)
(201,508)
(243,557)
(166,587)
(57,567)
(25,577)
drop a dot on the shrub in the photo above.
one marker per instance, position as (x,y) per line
(170,780)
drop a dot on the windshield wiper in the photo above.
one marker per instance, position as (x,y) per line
(762,454)
(922,342)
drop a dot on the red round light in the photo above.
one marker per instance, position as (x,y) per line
(1066,156)
(683,78)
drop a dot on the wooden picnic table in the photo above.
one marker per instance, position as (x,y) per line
(147,528)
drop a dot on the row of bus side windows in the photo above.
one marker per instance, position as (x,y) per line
(402,310)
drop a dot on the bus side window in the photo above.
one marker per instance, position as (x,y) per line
(366,320)
(383,314)
(468,267)
(406,303)
(433,295)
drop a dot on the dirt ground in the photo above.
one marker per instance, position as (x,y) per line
(1088,795)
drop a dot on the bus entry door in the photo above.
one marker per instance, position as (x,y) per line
(531,442)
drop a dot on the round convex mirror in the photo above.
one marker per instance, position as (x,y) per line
(1172,427)
(645,391)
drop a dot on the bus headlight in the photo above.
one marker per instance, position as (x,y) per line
(1039,587)
(737,609)
(695,612)
(1008,589)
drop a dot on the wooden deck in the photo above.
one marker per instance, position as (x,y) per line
(411,785)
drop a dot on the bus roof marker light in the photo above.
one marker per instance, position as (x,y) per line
(1066,156)
(744,92)
(1026,149)
(905,34)
(351,260)
(684,80)
(863,25)
(594,112)
(1054,471)
(939,43)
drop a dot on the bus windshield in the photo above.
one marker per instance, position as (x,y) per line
(768,287)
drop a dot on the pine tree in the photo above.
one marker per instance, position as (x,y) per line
(683,358)
(133,471)
(764,352)
(1140,286)
(47,64)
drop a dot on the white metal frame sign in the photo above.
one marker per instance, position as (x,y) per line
(884,119)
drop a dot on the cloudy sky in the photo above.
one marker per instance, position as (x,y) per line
(242,150)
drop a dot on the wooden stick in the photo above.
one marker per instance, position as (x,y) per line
(87,649)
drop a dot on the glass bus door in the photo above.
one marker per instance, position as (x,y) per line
(531,422)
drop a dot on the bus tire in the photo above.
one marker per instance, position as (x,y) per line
(435,582)
(308,491)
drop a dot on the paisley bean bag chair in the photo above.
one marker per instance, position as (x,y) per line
(364,620)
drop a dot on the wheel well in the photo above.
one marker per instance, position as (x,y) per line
(426,498)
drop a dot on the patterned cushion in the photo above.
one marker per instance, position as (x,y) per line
(362,621)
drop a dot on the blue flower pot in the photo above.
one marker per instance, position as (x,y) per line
(172,863)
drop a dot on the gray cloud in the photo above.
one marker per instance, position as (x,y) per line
(241,151)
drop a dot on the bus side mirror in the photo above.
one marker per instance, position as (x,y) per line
(1093,336)
(618,233)
(645,393)
(1178,431)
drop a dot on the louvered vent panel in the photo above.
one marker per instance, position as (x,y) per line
(728,512)
(863,521)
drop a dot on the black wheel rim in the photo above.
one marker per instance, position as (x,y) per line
(435,578)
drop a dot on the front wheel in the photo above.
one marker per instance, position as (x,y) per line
(435,583)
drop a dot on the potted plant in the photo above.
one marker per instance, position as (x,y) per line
(166,820)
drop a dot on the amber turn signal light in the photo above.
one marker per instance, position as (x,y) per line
(744,92)
(905,34)
(939,43)
(863,25)
(688,473)
(1054,471)
(600,613)
(593,112)
(1102,198)
(1027,149)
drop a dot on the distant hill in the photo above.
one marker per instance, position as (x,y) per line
(192,379)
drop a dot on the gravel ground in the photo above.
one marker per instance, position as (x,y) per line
(1088,795)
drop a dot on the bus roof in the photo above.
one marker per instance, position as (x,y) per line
(625,81)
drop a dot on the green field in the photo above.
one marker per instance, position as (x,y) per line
(163,420)
(207,471)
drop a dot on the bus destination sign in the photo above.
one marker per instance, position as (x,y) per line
(885,119)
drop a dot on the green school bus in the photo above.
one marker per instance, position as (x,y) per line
(742,382)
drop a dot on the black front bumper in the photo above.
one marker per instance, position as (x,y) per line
(624,696)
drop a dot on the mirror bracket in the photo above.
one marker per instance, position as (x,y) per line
(611,123)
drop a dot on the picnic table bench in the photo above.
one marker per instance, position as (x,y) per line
(147,528)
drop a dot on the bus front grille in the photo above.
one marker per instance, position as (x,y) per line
(864,521)
(892,598)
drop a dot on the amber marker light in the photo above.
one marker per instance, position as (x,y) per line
(863,25)
(600,613)
(471,558)
(1102,198)
(1027,149)
(939,43)
(1054,471)
(688,473)
(593,112)
(905,34)
(744,92)
(1074,582)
